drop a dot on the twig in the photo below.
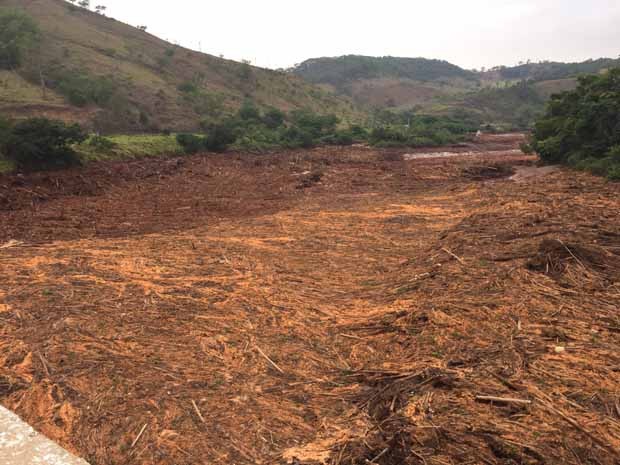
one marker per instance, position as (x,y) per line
(572,254)
(44,363)
(574,423)
(383,452)
(198,412)
(274,364)
(452,254)
(135,441)
(503,400)
(505,381)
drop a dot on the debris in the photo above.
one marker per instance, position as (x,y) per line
(135,441)
(269,360)
(503,400)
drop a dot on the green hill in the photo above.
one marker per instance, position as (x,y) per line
(510,97)
(117,78)
(552,71)
(342,71)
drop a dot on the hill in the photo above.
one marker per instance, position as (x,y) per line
(504,96)
(341,71)
(115,77)
(387,81)
(551,71)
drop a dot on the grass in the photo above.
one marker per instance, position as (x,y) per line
(130,146)
(6,166)
(15,89)
(124,147)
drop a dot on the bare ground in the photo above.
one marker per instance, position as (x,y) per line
(337,306)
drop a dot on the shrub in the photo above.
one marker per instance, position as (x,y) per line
(191,143)
(388,136)
(313,123)
(249,111)
(39,143)
(614,173)
(81,89)
(219,138)
(358,132)
(273,118)
(339,138)
(295,137)
(187,87)
(18,34)
(526,148)
(101,143)
(5,130)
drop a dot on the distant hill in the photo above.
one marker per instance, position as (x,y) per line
(551,71)
(508,96)
(115,77)
(342,71)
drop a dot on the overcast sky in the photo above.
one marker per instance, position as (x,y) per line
(469,33)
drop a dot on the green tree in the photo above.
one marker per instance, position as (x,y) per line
(18,34)
(582,127)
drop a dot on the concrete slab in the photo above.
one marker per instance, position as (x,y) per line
(22,445)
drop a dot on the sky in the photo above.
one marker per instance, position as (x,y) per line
(469,33)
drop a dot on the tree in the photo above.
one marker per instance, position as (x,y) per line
(84,4)
(18,34)
(582,127)
(101,9)
(142,28)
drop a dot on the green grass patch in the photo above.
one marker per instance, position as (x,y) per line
(6,166)
(129,146)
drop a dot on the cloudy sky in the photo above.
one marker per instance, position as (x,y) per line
(470,33)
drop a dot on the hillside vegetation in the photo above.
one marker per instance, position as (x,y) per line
(81,66)
(582,127)
(505,97)
(341,71)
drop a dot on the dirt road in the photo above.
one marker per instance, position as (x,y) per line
(339,306)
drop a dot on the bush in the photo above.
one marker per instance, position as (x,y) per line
(39,143)
(313,123)
(295,137)
(5,129)
(101,143)
(358,132)
(273,118)
(339,138)
(526,148)
(18,34)
(81,89)
(191,143)
(249,111)
(219,138)
(187,87)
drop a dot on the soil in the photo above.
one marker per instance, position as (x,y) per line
(338,305)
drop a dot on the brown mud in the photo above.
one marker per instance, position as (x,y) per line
(338,306)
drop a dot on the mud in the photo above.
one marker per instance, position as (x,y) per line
(338,306)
